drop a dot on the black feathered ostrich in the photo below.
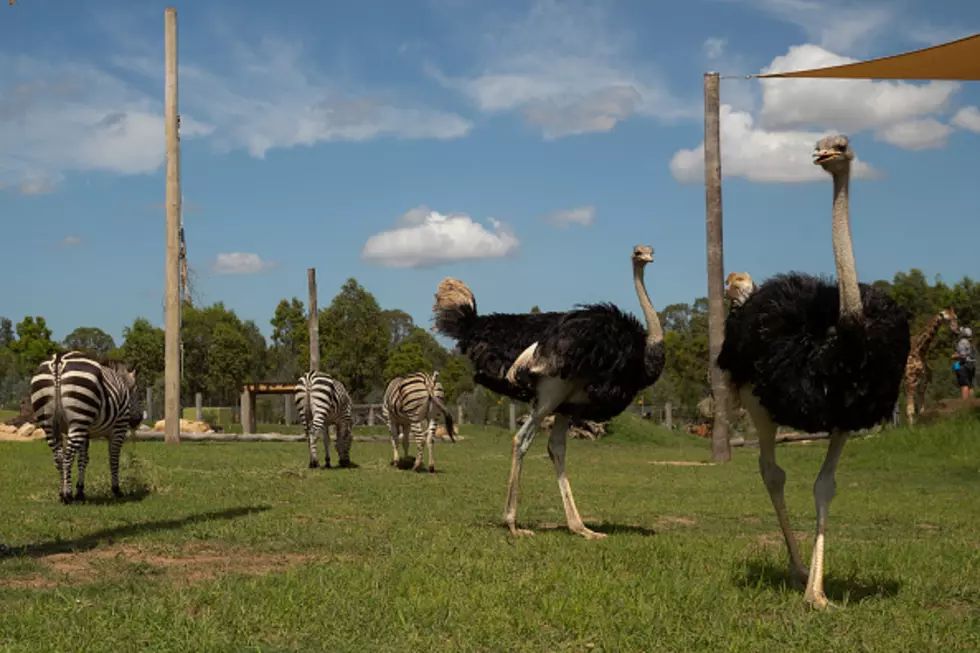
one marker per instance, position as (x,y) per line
(587,363)
(816,356)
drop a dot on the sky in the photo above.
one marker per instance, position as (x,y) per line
(522,146)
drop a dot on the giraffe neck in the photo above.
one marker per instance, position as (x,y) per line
(925,337)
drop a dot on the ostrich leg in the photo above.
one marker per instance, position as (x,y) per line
(775,478)
(556,451)
(824,490)
(551,393)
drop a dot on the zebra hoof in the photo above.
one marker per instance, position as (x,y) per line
(326,464)
(346,463)
(66,498)
(116,492)
(79,494)
(314,464)
(432,469)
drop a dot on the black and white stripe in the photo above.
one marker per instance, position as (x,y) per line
(74,394)
(409,402)
(322,401)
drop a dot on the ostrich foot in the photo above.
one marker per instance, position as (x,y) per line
(517,532)
(588,534)
(818,601)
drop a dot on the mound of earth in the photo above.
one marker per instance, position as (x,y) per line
(24,433)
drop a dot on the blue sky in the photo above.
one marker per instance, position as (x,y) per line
(521,146)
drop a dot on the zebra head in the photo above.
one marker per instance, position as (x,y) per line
(134,407)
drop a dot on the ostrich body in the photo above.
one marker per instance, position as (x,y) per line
(817,356)
(587,363)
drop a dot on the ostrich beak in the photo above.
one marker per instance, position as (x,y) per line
(822,156)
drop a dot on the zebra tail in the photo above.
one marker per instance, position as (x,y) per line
(308,405)
(445,412)
(58,411)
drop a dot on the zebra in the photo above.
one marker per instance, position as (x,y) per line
(408,402)
(74,392)
(322,401)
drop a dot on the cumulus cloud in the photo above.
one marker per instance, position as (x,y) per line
(922,134)
(240,263)
(773,144)
(834,24)
(70,241)
(851,105)
(564,72)
(425,238)
(59,116)
(967,118)
(714,48)
(580,215)
(759,155)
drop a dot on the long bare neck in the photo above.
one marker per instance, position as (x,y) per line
(655,332)
(850,292)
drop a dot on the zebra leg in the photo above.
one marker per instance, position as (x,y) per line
(311,441)
(419,443)
(115,447)
(82,464)
(395,432)
(320,426)
(76,436)
(429,436)
(343,443)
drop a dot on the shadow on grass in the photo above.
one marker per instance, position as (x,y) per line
(92,540)
(409,462)
(850,588)
(101,499)
(604,527)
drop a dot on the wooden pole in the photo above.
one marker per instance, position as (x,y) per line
(314,322)
(171,387)
(720,447)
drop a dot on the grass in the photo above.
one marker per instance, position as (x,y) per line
(240,547)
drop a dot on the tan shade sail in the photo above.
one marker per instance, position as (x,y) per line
(956,60)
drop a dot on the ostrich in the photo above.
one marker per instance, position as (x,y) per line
(586,363)
(738,287)
(817,356)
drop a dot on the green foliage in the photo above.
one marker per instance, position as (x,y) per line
(405,358)
(220,353)
(354,339)
(90,340)
(456,377)
(290,352)
(400,324)
(143,351)
(535,309)
(6,332)
(227,364)
(33,344)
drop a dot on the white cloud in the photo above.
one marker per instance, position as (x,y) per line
(69,115)
(833,24)
(759,155)
(57,117)
(424,238)
(70,241)
(850,105)
(921,134)
(967,118)
(714,48)
(580,215)
(565,73)
(240,263)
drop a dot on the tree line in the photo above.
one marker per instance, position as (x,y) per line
(365,345)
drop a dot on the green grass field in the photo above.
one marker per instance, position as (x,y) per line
(239,547)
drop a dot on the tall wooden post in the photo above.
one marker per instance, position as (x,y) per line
(720,448)
(171,387)
(314,322)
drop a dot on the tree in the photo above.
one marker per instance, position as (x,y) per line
(6,332)
(227,363)
(404,359)
(400,324)
(33,344)
(535,309)
(216,363)
(433,353)
(456,377)
(90,340)
(354,339)
(142,349)
(290,354)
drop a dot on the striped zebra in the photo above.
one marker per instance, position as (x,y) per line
(74,394)
(410,401)
(322,401)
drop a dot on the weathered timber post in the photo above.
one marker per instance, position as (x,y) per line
(198,406)
(314,322)
(171,387)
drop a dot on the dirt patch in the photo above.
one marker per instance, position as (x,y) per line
(193,564)
(683,521)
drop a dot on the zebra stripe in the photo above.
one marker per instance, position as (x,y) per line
(322,401)
(73,392)
(410,401)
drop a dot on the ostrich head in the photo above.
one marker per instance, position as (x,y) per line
(642,254)
(833,153)
(738,287)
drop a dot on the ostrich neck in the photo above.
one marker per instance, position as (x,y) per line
(655,333)
(850,293)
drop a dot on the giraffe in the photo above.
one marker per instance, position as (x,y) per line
(915,367)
